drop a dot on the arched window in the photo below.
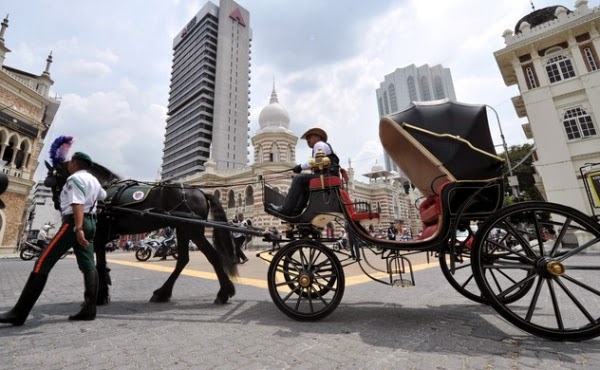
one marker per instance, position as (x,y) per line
(589,55)
(412,88)
(249,196)
(275,156)
(393,101)
(578,123)
(260,154)
(559,68)
(531,77)
(386,107)
(439,88)
(217,195)
(425,89)
(230,199)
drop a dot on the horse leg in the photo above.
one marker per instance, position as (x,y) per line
(163,294)
(227,289)
(104,279)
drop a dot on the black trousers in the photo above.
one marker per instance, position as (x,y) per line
(297,196)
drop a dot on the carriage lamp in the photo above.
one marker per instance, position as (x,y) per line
(320,161)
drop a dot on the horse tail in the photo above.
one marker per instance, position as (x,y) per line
(222,240)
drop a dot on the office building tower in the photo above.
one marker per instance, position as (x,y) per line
(409,84)
(209,95)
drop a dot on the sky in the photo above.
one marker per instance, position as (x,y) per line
(112,64)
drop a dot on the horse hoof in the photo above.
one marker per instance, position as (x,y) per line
(102,301)
(158,299)
(221,300)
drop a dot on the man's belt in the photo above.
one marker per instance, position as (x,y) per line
(70,217)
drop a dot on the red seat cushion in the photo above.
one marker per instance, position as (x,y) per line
(327,181)
(430,211)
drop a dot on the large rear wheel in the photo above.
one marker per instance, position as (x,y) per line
(554,250)
(306,280)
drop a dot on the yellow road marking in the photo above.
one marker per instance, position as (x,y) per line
(258,283)
(189,272)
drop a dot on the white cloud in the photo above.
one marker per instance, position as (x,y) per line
(113,69)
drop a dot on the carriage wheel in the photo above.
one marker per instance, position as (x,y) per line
(462,279)
(306,280)
(551,248)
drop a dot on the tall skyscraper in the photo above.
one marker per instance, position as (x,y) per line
(209,96)
(409,84)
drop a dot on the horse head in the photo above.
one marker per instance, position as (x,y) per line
(57,177)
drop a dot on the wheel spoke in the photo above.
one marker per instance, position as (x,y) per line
(575,301)
(534,299)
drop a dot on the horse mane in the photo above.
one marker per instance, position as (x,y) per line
(103,174)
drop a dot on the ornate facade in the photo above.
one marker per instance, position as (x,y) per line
(26,113)
(240,190)
(552,56)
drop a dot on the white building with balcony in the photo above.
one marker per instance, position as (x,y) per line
(552,56)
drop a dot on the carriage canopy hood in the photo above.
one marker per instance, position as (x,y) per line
(441,140)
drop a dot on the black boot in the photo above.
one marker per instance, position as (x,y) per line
(31,292)
(88,309)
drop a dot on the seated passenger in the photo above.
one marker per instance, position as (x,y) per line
(297,197)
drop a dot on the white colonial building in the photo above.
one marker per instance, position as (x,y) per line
(552,56)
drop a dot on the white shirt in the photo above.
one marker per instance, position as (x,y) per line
(42,235)
(243,224)
(81,188)
(318,145)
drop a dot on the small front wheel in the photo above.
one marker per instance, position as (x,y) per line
(306,280)
(143,254)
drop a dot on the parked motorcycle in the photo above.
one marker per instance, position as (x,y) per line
(29,251)
(341,244)
(160,248)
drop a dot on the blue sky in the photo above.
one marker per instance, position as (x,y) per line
(112,63)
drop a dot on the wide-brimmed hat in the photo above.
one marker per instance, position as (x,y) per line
(80,156)
(315,131)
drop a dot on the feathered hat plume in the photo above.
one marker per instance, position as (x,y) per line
(59,149)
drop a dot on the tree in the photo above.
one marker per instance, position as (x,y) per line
(524,171)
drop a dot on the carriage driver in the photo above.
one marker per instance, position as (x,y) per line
(297,197)
(78,208)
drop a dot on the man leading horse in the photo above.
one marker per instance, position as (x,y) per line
(78,208)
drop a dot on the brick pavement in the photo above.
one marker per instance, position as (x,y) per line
(429,326)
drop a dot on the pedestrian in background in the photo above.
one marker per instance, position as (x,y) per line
(239,238)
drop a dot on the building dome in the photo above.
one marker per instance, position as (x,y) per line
(539,16)
(377,168)
(274,114)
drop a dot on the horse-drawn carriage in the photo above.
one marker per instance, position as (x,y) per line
(536,263)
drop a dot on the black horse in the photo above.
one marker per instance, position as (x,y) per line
(150,207)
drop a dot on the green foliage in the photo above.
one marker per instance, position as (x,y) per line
(524,173)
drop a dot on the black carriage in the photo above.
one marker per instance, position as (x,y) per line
(536,263)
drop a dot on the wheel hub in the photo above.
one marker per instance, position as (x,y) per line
(550,268)
(304,280)
(555,268)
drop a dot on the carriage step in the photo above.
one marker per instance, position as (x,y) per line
(403,283)
(400,270)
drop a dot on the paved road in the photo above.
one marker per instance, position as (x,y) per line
(429,326)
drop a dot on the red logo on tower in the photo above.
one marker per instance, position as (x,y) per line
(237,15)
